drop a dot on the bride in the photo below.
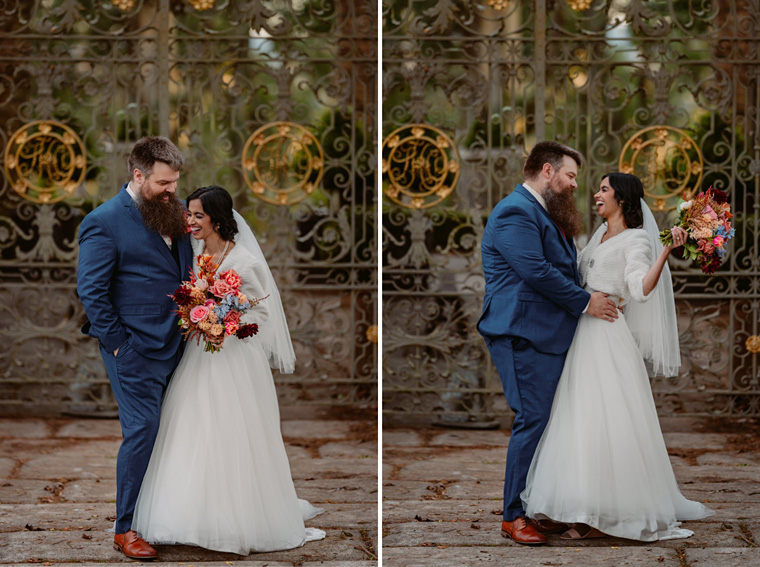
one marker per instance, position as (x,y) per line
(601,462)
(219,476)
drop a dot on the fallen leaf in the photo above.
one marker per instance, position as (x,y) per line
(422,519)
(86,536)
(475,526)
(31,528)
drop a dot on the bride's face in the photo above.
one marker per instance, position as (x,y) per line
(606,205)
(199,222)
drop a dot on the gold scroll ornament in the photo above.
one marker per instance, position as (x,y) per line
(420,166)
(668,162)
(200,5)
(372,333)
(283,163)
(45,161)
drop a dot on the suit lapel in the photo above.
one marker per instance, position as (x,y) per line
(152,235)
(184,268)
(567,244)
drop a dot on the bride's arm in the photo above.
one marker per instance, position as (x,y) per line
(653,275)
(253,277)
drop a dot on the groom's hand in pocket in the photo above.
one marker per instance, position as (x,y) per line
(602,307)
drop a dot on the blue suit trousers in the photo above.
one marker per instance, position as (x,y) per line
(138,384)
(529,379)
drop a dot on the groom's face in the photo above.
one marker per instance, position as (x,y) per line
(159,185)
(564,179)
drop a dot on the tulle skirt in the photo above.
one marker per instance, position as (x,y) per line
(602,460)
(219,476)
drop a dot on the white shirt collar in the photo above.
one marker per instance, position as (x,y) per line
(131,193)
(537,195)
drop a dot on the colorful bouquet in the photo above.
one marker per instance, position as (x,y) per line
(707,219)
(210,306)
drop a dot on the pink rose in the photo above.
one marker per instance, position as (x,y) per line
(201,285)
(232,278)
(221,288)
(718,241)
(210,303)
(198,313)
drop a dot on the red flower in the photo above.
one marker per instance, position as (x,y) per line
(247,331)
(711,266)
(718,195)
(182,297)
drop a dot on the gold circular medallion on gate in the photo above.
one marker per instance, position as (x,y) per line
(283,163)
(420,166)
(45,161)
(668,162)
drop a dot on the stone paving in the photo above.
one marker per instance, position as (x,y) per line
(442,499)
(58,490)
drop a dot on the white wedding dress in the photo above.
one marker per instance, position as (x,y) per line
(219,476)
(602,460)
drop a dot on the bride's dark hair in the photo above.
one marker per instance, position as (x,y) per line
(217,204)
(628,193)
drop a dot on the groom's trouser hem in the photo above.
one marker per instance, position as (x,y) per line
(138,384)
(529,379)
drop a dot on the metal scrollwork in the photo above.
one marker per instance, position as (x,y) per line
(207,75)
(283,163)
(45,161)
(672,88)
(421,166)
(668,162)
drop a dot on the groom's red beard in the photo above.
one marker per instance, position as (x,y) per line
(563,211)
(167,218)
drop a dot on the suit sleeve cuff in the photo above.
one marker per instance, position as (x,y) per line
(112,343)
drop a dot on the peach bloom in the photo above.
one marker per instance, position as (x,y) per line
(232,278)
(221,288)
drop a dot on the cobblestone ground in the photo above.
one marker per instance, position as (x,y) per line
(442,493)
(58,490)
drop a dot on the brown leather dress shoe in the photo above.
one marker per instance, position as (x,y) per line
(550,526)
(134,547)
(522,531)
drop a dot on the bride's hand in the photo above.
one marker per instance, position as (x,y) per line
(679,237)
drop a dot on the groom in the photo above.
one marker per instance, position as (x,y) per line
(133,252)
(531,307)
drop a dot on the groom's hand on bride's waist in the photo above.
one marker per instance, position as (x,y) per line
(602,307)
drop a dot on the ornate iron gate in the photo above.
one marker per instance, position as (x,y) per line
(670,90)
(274,100)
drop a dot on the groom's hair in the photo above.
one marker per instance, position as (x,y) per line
(149,150)
(548,152)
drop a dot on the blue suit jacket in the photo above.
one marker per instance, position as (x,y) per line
(125,275)
(532,286)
